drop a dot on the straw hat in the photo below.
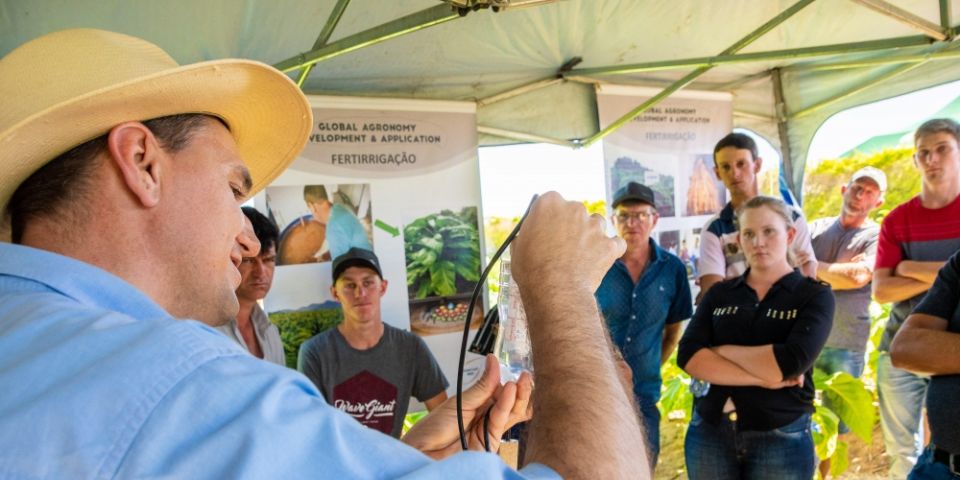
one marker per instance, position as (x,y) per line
(68,87)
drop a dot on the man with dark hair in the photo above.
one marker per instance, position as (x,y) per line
(736,165)
(363,366)
(251,328)
(916,238)
(111,379)
(644,298)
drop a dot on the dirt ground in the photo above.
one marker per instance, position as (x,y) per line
(867,461)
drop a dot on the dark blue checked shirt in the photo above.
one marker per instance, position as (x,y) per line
(636,314)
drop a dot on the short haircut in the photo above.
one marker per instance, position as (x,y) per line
(67,179)
(739,141)
(315,194)
(937,125)
(266,231)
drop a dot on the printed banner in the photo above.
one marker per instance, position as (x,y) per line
(389,139)
(668,148)
(420,217)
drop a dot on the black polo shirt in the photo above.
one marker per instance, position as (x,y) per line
(943,301)
(795,316)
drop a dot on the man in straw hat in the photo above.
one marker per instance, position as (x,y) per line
(123,174)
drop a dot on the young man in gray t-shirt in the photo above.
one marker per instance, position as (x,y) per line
(365,367)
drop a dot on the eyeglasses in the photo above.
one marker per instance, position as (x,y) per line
(639,216)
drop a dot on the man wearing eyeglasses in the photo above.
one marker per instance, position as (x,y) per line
(916,239)
(644,298)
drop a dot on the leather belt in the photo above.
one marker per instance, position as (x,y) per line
(951,460)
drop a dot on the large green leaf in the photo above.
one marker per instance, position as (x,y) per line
(825,434)
(443,280)
(840,460)
(851,401)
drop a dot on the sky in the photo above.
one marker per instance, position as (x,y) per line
(511,175)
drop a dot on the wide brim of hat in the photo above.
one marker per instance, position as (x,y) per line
(268,116)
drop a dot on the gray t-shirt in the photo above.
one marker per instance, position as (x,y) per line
(834,244)
(374,385)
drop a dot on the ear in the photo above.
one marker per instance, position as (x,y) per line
(791,233)
(383,286)
(136,153)
(654,223)
(757,163)
(333,292)
(843,189)
(716,170)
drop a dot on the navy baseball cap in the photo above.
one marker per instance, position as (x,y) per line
(635,192)
(356,257)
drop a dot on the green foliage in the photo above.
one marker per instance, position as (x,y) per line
(848,399)
(825,432)
(299,326)
(676,401)
(443,253)
(822,186)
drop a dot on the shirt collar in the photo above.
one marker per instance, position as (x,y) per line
(789,282)
(80,281)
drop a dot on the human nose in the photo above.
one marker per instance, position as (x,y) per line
(247,240)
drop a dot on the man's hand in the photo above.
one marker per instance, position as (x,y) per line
(560,243)
(437,434)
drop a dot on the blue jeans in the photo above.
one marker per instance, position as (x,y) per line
(901,402)
(650,416)
(927,469)
(721,452)
(832,360)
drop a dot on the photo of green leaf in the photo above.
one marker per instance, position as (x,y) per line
(442,253)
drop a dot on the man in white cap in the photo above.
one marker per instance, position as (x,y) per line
(846,248)
(123,176)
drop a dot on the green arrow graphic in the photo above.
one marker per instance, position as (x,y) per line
(387,228)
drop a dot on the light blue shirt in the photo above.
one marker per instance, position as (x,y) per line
(344,231)
(98,381)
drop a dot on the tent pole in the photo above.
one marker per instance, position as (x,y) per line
(879,79)
(513,92)
(945,17)
(773,55)
(411,23)
(741,81)
(920,57)
(916,22)
(525,137)
(690,77)
(780,107)
(332,22)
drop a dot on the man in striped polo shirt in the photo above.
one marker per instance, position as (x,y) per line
(736,165)
(916,238)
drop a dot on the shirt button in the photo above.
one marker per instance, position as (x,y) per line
(633,317)
(629,339)
(634,295)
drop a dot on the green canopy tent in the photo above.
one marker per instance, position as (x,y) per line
(532,65)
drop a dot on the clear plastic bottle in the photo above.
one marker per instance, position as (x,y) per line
(512,347)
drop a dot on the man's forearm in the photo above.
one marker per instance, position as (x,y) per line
(925,272)
(891,289)
(926,350)
(707,365)
(844,276)
(758,361)
(580,407)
